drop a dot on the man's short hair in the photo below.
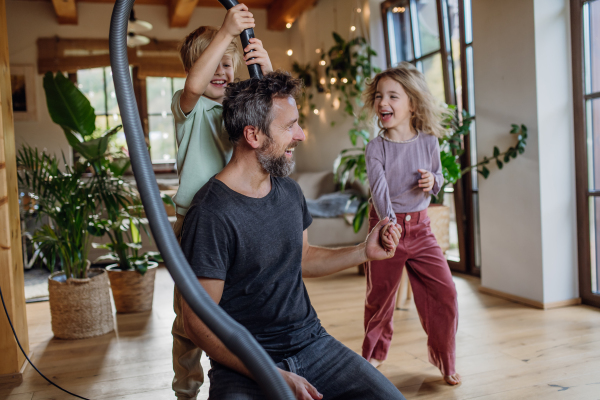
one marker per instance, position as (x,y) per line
(192,47)
(249,102)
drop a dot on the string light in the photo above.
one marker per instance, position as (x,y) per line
(333,80)
(345,80)
(322,81)
(290,52)
(322,62)
(352,28)
(397,10)
(288,25)
(318,51)
(316,111)
(359,10)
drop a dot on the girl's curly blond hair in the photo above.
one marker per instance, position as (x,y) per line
(429,114)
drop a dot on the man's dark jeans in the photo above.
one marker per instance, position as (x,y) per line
(333,369)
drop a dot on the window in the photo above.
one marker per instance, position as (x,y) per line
(163,145)
(436,36)
(97,85)
(585,34)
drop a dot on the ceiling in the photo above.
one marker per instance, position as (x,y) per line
(279,12)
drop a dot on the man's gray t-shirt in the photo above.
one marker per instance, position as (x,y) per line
(255,246)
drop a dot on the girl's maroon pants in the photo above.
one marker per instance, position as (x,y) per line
(433,289)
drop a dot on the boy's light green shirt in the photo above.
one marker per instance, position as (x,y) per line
(203,147)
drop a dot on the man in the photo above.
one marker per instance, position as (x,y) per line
(245,238)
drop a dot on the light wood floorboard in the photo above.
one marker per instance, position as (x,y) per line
(504,350)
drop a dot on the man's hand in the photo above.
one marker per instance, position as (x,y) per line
(373,249)
(237,20)
(300,386)
(260,55)
(426,182)
(388,234)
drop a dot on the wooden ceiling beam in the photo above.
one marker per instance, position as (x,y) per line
(66,11)
(180,12)
(280,12)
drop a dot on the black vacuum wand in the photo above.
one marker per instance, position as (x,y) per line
(245,36)
(233,335)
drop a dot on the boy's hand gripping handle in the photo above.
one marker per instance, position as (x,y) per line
(253,69)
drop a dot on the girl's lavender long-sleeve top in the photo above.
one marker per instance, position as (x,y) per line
(393,171)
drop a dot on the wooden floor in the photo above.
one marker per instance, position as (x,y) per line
(505,350)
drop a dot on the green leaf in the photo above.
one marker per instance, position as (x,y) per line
(485,172)
(168,200)
(135,232)
(496,151)
(67,106)
(119,166)
(514,128)
(361,215)
(499,164)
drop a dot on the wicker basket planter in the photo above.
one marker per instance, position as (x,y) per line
(132,291)
(80,308)
(440,224)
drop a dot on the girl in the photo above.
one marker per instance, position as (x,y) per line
(404,169)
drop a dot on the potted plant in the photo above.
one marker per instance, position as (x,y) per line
(119,207)
(79,296)
(133,273)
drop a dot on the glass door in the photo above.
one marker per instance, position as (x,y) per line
(585,23)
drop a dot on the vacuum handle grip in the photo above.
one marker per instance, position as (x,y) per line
(245,36)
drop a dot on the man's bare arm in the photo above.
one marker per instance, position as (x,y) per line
(321,261)
(203,337)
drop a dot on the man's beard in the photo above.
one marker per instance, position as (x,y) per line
(277,166)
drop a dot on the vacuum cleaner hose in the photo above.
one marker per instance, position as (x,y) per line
(233,335)
(253,69)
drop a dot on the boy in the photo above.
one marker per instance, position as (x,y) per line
(209,56)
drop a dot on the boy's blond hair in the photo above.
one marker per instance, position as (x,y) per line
(196,42)
(429,116)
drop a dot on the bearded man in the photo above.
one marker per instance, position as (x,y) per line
(245,238)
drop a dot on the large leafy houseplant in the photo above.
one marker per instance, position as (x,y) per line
(116,201)
(68,202)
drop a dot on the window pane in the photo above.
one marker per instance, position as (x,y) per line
(594,241)
(432,69)
(178,84)
(593,140)
(453,252)
(162,140)
(476,236)
(429,35)
(399,37)
(159,95)
(91,83)
(591,26)
(111,97)
(455,46)
(101,123)
(468,22)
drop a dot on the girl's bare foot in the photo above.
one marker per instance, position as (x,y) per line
(452,379)
(376,363)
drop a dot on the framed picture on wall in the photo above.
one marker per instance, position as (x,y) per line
(22,82)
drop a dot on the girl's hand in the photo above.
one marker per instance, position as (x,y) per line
(260,56)
(237,20)
(390,236)
(426,182)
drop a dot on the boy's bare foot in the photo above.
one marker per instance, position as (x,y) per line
(376,363)
(452,379)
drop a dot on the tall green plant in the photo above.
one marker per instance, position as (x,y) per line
(68,202)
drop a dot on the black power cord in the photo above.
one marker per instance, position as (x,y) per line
(23,351)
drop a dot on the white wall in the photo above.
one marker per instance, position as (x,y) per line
(556,149)
(527,210)
(29,20)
